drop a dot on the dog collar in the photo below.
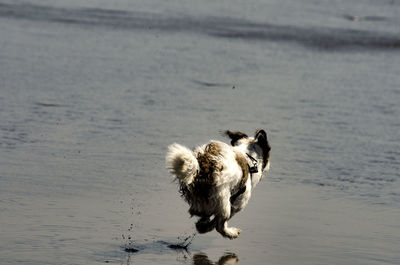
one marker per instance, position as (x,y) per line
(253,169)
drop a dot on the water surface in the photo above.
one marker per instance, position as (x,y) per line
(93,92)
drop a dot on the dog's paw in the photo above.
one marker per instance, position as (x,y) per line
(205,226)
(231,232)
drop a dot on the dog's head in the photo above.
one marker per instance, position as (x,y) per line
(258,145)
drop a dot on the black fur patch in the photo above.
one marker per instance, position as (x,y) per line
(235,136)
(262,141)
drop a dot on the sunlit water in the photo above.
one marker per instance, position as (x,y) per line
(92,93)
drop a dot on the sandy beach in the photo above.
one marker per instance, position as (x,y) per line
(93,92)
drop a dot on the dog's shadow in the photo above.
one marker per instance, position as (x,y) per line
(226,259)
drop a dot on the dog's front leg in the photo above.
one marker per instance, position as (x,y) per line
(221,220)
(224,230)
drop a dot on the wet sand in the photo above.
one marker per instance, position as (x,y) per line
(92,93)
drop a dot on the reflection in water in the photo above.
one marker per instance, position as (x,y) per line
(184,256)
(227,259)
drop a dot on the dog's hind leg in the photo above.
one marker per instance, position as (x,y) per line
(205,225)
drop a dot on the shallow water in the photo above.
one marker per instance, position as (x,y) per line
(92,93)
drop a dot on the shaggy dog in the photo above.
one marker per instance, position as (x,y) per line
(217,179)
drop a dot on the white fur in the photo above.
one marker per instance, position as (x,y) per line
(184,165)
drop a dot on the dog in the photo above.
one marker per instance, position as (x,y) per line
(217,179)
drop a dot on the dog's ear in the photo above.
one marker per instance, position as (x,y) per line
(262,141)
(235,136)
(260,135)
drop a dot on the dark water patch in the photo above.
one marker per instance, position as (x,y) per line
(88,16)
(49,105)
(356,18)
(178,246)
(114,120)
(319,38)
(131,250)
(183,245)
(212,84)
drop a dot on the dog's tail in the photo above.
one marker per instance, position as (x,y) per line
(181,162)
